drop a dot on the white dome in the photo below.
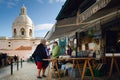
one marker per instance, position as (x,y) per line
(23,19)
(23,26)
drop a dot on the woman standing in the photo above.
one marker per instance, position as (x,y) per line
(39,54)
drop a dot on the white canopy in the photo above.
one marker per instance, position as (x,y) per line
(66,30)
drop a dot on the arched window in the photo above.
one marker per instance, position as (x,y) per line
(22,31)
(30,32)
(15,32)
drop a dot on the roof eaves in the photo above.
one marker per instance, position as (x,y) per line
(63,7)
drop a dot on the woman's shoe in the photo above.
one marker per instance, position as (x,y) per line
(44,76)
(39,77)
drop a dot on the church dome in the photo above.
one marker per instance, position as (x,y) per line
(23,19)
(23,26)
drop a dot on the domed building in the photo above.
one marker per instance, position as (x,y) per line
(22,42)
(23,26)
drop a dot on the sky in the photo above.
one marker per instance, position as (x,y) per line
(42,12)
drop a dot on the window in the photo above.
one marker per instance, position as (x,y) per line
(15,32)
(22,31)
(9,45)
(30,32)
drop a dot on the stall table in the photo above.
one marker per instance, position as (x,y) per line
(113,61)
(54,63)
(86,63)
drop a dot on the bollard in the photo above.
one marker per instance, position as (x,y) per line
(21,62)
(3,64)
(17,64)
(11,67)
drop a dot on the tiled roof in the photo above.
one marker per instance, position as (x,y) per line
(24,48)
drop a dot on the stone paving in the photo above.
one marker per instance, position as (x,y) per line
(6,70)
(29,72)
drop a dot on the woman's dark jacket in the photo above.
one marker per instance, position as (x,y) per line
(40,53)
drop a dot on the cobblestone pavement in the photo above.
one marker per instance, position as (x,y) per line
(29,72)
(6,70)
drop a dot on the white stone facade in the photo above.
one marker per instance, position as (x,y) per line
(12,44)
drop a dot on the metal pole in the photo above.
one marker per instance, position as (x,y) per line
(17,64)
(76,49)
(21,62)
(11,66)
